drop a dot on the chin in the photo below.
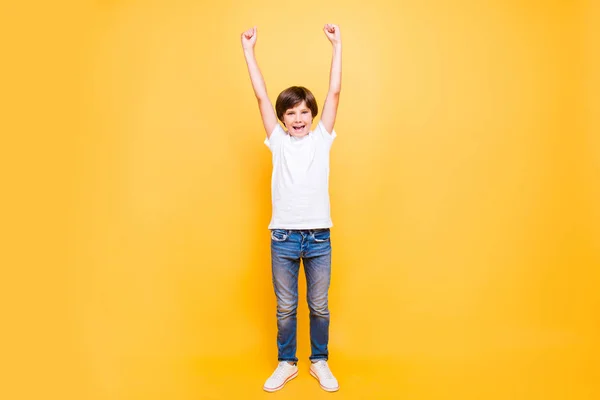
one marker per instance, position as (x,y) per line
(298,134)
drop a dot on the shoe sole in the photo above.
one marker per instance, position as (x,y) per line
(289,378)
(335,389)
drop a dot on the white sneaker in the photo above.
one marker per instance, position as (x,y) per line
(283,373)
(321,371)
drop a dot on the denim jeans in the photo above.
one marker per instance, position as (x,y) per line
(314,248)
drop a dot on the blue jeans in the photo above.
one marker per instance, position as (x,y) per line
(314,248)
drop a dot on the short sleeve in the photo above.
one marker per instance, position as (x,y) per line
(323,132)
(276,137)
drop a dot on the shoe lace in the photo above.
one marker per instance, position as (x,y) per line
(324,370)
(280,370)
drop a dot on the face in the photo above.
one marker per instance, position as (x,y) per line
(298,120)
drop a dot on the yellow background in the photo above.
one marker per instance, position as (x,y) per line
(464,188)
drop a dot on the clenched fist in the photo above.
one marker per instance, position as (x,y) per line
(333,33)
(249,38)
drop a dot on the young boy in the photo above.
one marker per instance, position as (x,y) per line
(301,219)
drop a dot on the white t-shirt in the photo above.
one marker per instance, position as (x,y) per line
(300,179)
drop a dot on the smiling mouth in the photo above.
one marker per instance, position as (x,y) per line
(298,128)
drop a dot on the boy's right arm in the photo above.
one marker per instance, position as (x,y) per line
(258,84)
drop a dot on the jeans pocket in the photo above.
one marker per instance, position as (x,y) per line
(322,235)
(279,235)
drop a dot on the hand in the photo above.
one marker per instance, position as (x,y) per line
(249,38)
(333,33)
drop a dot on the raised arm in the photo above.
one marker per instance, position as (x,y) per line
(335,77)
(258,84)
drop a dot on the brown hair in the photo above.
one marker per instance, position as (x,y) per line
(293,96)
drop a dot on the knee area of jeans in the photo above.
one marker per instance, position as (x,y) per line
(287,309)
(320,309)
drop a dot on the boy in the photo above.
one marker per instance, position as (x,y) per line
(301,218)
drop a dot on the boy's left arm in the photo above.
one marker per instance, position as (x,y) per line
(335,79)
